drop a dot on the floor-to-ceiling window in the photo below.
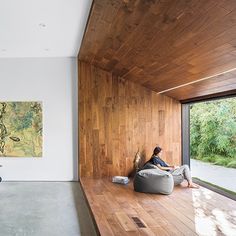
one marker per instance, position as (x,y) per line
(209,142)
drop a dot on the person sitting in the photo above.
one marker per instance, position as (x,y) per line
(174,170)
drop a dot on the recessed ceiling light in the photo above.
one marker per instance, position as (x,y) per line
(42,25)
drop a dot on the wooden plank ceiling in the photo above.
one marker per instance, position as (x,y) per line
(165,44)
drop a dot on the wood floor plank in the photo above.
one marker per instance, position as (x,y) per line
(185,212)
(161,231)
(150,221)
(172,217)
(115,226)
(149,232)
(125,221)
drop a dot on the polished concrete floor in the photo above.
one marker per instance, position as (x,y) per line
(44,209)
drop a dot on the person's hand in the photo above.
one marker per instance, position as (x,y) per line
(175,167)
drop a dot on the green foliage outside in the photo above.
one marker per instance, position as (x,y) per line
(213,132)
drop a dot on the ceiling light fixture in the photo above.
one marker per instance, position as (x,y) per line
(42,25)
(196,81)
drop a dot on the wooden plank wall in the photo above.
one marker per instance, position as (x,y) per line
(117,118)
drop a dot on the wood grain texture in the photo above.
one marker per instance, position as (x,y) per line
(117,118)
(162,44)
(226,94)
(225,83)
(184,212)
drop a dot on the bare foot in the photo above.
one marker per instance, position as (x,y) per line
(192,185)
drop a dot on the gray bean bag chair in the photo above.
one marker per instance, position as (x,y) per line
(178,179)
(153,180)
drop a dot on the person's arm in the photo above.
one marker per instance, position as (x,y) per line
(162,165)
(165,167)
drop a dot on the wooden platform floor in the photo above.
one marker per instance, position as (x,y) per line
(184,212)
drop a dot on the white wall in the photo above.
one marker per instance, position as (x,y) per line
(54,82)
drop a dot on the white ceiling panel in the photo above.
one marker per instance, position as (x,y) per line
(42,28)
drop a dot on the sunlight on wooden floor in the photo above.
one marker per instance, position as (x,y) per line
(189,212)
(214,221)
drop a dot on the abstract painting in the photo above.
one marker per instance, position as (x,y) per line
(21,129)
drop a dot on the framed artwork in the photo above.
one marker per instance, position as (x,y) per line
(21,129)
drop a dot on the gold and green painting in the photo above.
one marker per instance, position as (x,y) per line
(21,129)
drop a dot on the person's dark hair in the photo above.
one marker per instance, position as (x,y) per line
(156,150)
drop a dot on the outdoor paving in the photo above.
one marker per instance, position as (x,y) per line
(218,175)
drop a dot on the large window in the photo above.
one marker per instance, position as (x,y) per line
(209,141)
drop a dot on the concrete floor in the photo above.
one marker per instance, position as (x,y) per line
(218,175)
(44,209)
